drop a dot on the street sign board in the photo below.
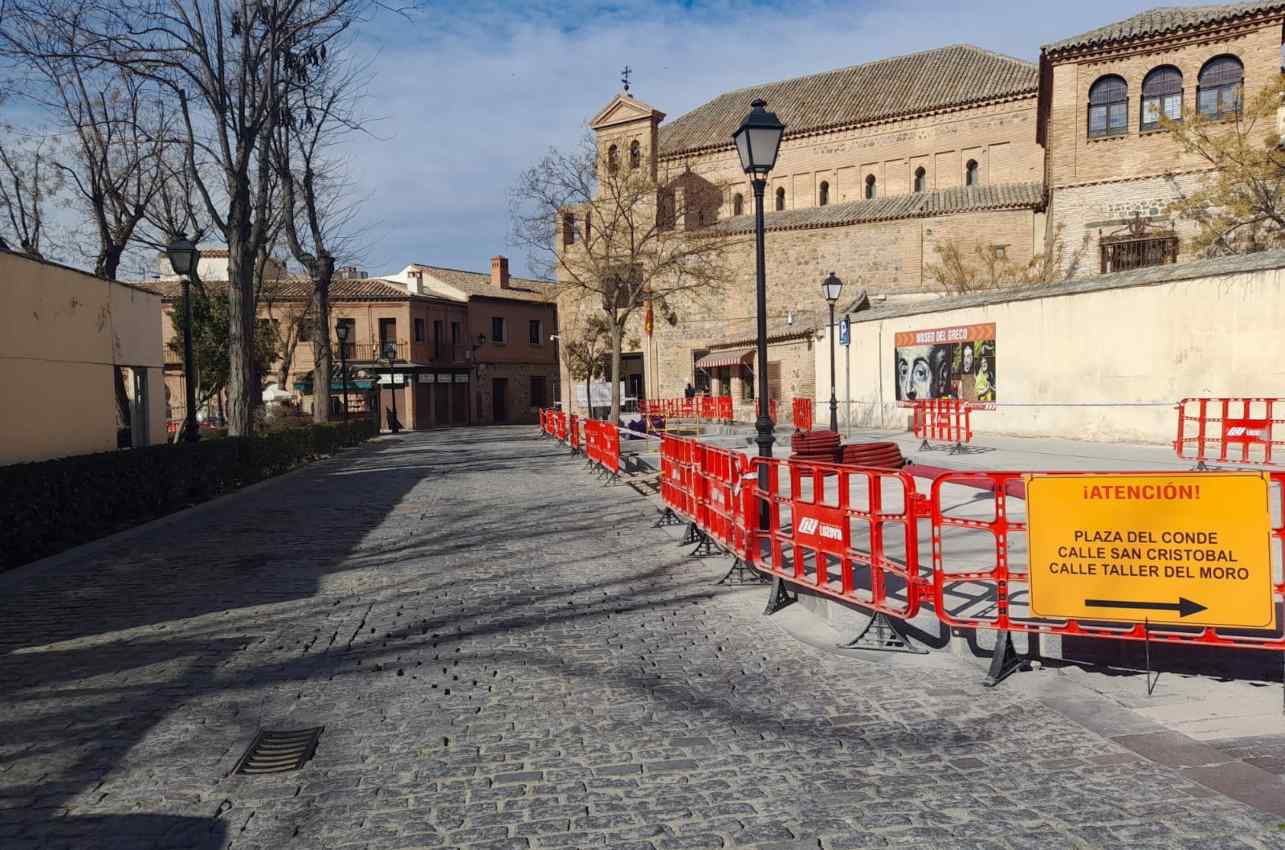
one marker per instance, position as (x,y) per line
(845,331)
(1187,549)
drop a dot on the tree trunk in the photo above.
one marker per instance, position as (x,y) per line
(616,334)
(321,351)
(241,325)
(588,397)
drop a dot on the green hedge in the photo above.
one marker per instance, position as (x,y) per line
(52,505)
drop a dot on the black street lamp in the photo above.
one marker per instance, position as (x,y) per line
(758,140)
(341,333)
(184,256)
(390,354)
(831,287)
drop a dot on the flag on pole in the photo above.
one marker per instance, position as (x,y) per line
(648,319)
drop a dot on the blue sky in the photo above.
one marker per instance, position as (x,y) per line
(468,94)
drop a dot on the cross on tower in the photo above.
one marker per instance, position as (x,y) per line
(624,76)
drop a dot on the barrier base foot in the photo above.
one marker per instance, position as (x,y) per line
(741,573)
(925,446)
(886,638)
(778,597)
(667,517)
(1004,661)
(692,535)
(958,449)
(705,547)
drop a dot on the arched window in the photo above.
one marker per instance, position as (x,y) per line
(635,155)
(824,195)
(1161,95)
(870,187)
(613,159)
(921,179)
(738,204)
(1108,107)
(780,199)
(971,176)
(1218,91)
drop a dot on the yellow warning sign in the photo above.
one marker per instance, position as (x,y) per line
(1191,549)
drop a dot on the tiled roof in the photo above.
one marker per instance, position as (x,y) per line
(888,88)
(300,289)
(958,199)
(1150,276)
(478,284)
(1165,20)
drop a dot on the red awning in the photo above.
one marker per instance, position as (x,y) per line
(725,358)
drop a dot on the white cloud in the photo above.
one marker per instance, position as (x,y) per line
(469,94)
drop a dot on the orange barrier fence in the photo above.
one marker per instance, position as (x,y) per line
(771,409)
(802,414)
(602,445)
(1231,430)
(852,533)
(575,433)
(702,406)
(948,420)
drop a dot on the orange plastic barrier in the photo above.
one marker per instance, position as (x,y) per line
(561,422)
(1231,430)
(857,542)
(802,414)
(944,419)
(676,460)
(991,590)
(722,497)
(575,433)
(602,445)
(771,409)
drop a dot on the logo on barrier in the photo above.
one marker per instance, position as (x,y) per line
(820,527)
(1247,430)
(1168,549)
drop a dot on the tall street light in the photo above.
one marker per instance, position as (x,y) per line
(183,256)
(341,333)
(830,288)
(758,140)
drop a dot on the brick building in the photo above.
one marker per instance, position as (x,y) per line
(467,347)
(1110,169)
(883,162)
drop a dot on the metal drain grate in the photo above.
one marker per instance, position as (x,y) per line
(278,752)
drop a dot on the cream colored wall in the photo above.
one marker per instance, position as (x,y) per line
(61,334)
(1205,337)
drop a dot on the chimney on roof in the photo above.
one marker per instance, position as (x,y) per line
(500,272)
(415,282)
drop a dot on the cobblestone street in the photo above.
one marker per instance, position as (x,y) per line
(505,654)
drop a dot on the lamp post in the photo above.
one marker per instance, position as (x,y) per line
(831,287)
(758,140)
(341,333)
(390,354)
(183,256)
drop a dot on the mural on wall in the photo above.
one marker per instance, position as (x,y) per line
(956,362)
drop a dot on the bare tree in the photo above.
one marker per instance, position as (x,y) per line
(1239,205)
(964,267)
(28,181)
(317,201)
(619,233)
(118,130)
(586,350)
(232,66)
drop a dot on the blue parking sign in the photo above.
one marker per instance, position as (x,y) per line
(845,331)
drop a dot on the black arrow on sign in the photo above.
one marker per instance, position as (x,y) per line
(1183,606)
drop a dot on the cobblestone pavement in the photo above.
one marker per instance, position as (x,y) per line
(505,654)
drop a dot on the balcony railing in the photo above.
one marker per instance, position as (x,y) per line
(369,352)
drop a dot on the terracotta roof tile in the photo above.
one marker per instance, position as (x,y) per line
(479,284)
(1163,20)
(300,289)
(952,76)
(958,199)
